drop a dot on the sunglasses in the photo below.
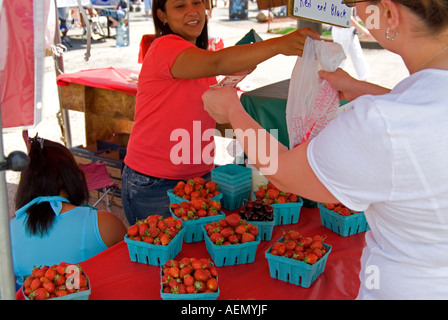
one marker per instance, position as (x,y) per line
(352,3)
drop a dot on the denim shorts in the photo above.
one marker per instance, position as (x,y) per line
(143,195)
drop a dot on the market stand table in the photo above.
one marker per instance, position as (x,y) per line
(114,277)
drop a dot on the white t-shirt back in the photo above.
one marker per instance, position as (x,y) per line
(388,156)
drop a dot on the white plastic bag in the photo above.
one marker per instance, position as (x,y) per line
(312,102)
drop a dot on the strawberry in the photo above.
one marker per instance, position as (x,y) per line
(35,284)
(199,181)
(240,229)
(233,239)
(212,284)
(233,219)
(49,286)
(226,232)
(272,193)
(142,227)
(27,281)
(188,280)
(247,237)
(174,272)
(202,275)
(133,230)
(294,235)
(217,238)
(41,294)
(316,245)
(61,293)
(59,279)
(191,289)
(199,286)
(310,258)
(260,193)
(188,188)
(196,264)
(50,273)
(211,186)
(344,211)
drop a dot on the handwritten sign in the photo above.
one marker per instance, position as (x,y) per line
(327,11)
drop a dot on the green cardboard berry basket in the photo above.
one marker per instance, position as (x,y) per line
(343,225)
(294,271)
(154,254)
(232,254)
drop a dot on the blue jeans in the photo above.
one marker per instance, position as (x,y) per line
(143,195)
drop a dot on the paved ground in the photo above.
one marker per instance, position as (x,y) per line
(387,69)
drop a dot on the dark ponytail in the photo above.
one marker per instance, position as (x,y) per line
(52,169)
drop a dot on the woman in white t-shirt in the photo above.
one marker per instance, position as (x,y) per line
(386,156)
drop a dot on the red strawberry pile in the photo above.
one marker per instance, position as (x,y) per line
(55,281)
(270,194)
(195,209)
(231,230)
(299,247)
(155,230)
(339,208)
(196,188)
(189,275)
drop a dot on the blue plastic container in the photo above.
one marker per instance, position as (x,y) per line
(294,271)
(154,254)
(265,229)
(232,254)
(234,200)
(231,173)
(343,225)
(235,184)
(193,228)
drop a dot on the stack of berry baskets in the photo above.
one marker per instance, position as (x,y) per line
(231,241)
(299,261)
(342,220)
(195,214)
(154,240)
(235,184)
(286,206)
(261,215)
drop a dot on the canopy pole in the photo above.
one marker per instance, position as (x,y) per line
(7,280)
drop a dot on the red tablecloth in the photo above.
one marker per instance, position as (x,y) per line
(104,78)
(114,276)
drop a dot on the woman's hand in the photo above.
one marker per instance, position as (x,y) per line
(293,43)
(340,80)
(350,88)
(220,103)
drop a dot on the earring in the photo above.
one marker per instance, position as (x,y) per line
(388,37)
